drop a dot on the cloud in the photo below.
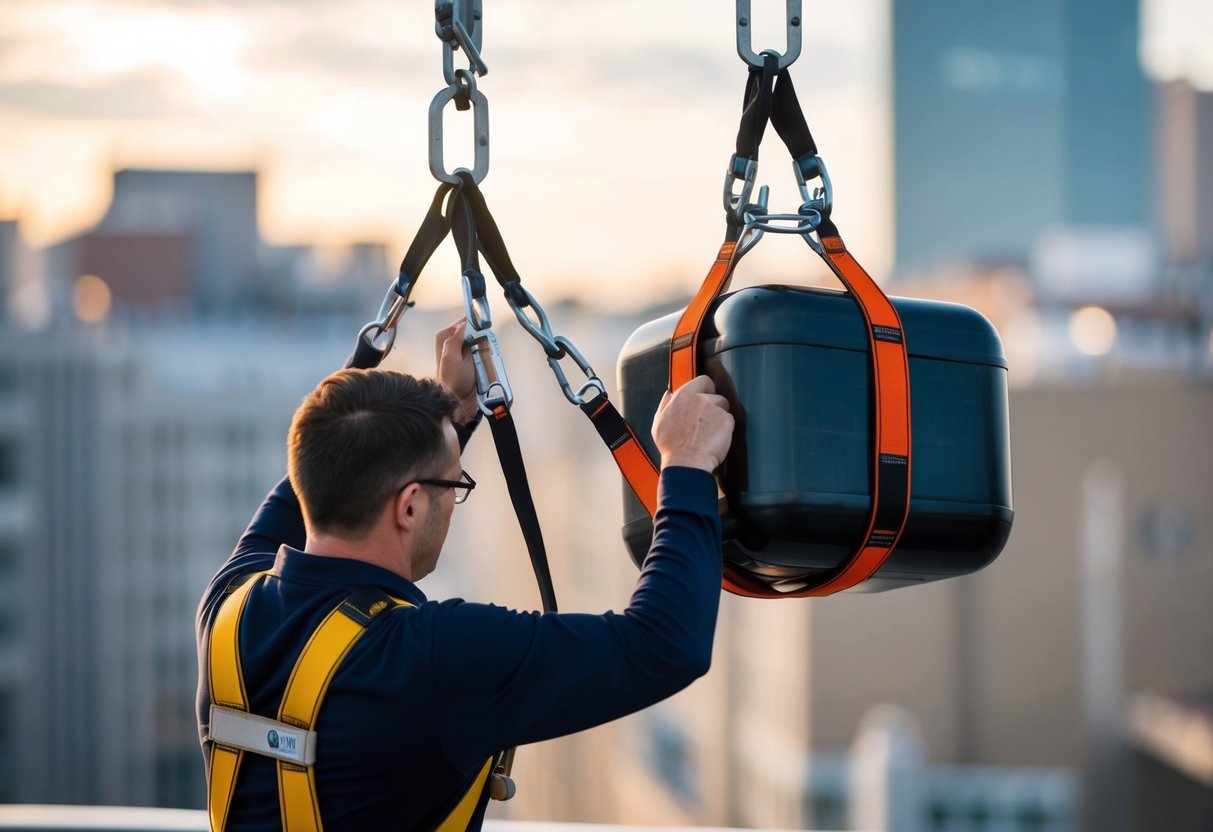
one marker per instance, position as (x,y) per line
(346,57)
(146,93)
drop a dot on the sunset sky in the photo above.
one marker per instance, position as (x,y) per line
(611,123)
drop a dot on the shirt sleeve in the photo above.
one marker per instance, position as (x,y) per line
(278,520)
(505,678)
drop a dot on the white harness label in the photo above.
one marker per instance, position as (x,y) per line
(262,736)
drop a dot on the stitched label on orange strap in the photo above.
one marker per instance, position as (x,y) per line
(892,459)
(683,341)
(833,245)
(881,540)
(886,333)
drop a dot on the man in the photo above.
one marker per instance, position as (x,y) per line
(430,690)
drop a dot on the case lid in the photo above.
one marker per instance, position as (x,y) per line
(829,318)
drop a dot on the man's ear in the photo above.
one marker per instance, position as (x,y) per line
(406,506)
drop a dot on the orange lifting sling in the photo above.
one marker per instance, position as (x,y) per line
(768,101)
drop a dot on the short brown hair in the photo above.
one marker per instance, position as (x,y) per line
(358,437)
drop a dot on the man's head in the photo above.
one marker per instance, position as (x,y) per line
(358,438)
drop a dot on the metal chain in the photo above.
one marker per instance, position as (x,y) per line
(459,25)
(557,347)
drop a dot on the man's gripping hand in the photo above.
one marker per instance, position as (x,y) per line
(455,369)
(693,426)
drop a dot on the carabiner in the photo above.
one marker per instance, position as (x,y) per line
(592,381)
(821,199)
(540,330)
(394,305)
(480,127)
(735,203)
(457,24)
(745,48)
(492,385)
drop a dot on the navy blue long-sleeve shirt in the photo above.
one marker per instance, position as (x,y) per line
(431,691)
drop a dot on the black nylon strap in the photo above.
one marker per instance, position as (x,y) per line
(464,231)
(434,228)
(756,107)
(505,437)
(788,119)
(430,235)
(473,231)
(488,235)
(364,356)
(611,426)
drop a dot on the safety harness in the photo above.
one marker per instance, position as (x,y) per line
(291,739)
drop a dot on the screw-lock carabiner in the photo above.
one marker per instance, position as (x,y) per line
(457,24)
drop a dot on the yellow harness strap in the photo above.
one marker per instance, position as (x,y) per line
(226,684)
(301,701)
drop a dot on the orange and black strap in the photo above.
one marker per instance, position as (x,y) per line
(890,421)
(890,364)
(640,472)
(891,417)
(684,351)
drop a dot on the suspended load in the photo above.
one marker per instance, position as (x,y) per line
(872,447)
(794,364)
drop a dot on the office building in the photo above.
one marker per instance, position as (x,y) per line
(1011,120)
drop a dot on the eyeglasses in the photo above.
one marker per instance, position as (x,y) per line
(463,486)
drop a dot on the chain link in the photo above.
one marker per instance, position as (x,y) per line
(556,346)
(459,25)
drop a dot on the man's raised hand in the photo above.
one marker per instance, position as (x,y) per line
(455,369)
(693,426)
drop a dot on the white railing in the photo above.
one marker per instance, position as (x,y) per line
(16,818)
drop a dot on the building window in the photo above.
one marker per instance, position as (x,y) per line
(668,753)
(9,463)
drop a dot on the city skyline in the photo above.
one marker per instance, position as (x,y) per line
(626,129)
(201,202)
